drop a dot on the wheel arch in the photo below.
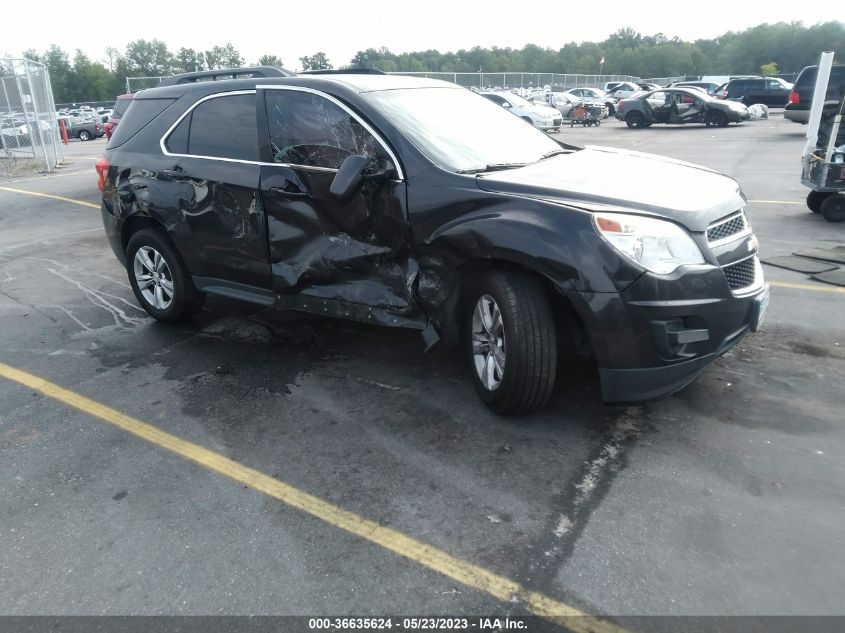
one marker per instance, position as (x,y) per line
(570,328)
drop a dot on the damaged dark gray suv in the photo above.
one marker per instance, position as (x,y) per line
(415,203)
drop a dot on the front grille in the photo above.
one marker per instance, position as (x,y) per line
(726,228)
(557,122)
(742,274)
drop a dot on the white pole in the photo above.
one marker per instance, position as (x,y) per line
(819,94)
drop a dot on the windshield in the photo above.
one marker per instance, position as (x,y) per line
(461,131)
(516,100)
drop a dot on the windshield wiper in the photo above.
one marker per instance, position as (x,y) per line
(491,167)
(554,152)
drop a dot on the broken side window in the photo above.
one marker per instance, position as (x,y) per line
(307,129)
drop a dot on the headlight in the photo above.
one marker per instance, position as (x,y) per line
(656,245)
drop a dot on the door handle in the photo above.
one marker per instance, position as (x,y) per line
(283,192)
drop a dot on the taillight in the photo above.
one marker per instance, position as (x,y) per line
(102,167)
(794,97)
(619,106)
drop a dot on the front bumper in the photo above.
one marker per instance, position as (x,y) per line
(655,337)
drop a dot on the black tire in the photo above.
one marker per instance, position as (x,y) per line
(716,118)
(611,111)
(529,341)
(635,120)
(185,300)
(815,199)
(833,208)
(84,135)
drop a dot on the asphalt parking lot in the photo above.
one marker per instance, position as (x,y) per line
(723,499)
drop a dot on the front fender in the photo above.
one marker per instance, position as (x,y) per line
(553,240)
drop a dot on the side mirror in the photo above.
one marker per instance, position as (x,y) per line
(507,104)
(349,177)
(379,169)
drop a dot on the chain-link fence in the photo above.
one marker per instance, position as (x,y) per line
(482,81)
(29,129)
(524,81)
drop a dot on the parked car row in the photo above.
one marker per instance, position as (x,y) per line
(541,116)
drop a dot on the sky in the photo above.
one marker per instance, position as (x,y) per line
(341,28)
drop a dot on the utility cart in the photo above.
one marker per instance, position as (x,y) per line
(585,114)
(823,166)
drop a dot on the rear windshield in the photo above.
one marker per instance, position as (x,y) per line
(120,107)
(807,78)
(141,112)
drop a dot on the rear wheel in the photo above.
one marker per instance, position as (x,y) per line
(635,120)
(511,341)
(815,199)
(159,278)
(716,119)
(833,208)
(84,135)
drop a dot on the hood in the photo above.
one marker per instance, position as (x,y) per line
(543,110)
(608,179)
(736,106)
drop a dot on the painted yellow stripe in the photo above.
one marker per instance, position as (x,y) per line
(51,196)
(817,287)
(425,555)
(48,177)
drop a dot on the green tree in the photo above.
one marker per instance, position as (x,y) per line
(317,61)
(270,60)
(90,80)
(769,69)
(151,59)
(223,57)
(58,65)
(188,60)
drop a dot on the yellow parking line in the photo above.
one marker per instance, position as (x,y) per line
(819,288)
(47,177)
(49,195)
(421,553)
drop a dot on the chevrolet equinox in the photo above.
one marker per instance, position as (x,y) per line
(415,203)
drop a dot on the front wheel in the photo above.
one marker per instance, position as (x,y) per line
(159,279)
(512,343)
(815,199)
(716,119)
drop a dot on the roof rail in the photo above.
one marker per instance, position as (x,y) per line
(344,71)
(226,73)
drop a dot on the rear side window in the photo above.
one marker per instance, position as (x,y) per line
(222,127)
(139,114)
(120,107)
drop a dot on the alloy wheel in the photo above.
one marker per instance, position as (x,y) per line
(153,276)
(488,343)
